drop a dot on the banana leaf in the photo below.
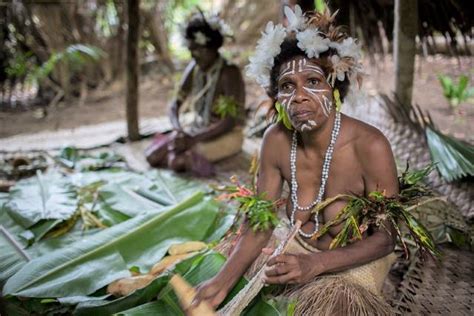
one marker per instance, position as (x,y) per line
(203,268)
(41,204)
(129,193)
(200,267)
(43,197)
(454,159)
(73,158)
(12,257)
(89,264)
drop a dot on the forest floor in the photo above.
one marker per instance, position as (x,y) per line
(108,105)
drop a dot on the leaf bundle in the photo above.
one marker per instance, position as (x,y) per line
(380,211)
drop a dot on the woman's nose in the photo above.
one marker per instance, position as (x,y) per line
(301,95)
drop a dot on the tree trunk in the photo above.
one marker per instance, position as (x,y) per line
(153,22)
(404,48)
(132,69)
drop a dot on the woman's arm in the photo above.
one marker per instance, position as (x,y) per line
(183,90)
(250,244)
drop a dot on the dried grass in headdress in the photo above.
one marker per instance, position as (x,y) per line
(337,33)
(322,20)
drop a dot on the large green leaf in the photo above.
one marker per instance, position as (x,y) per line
(90,264)
(203,268)
(153,308)
(454,159)
(48,196)
(42,203)
(173,187)
(122,198)
(141,296)
(12,258)
(145,295)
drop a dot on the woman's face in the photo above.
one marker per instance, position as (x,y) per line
(204,56)
(304,93)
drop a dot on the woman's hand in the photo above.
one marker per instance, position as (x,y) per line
(180,142)
(212,291)
(292,269)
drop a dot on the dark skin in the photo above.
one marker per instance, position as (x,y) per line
(362,162)
(230,84)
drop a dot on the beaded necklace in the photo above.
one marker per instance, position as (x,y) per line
(324,176)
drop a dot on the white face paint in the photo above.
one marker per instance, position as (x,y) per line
(286,96)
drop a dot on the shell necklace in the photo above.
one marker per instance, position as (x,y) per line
(324,176)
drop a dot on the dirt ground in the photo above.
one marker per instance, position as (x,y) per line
(156,90)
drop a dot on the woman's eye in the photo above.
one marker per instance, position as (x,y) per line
(286,86)
(313,81)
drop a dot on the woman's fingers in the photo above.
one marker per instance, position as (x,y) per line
(286,258)
(287,278)
(268,251)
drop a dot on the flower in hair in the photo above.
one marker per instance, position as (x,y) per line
(268,46)
(296,19)
(312,43)
(348,48)
(200,38)
(219,25)
(340,67)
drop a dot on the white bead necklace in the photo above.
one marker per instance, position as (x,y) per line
(324,176)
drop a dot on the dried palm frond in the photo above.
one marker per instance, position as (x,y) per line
(454,159)
(405,128)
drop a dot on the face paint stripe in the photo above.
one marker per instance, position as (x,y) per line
(315,90)
(327,104)
(323,106)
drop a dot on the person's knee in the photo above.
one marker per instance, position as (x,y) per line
(156,158)
(176,163)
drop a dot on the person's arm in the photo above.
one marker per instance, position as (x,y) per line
(183,90)
(380,174)
(251,243)
(233,87)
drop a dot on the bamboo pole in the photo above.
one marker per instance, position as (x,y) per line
(132,69)
(404,48)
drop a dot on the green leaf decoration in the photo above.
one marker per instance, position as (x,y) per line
(454,159)
(89,264)
(376,210)
(226,106)
(282,116)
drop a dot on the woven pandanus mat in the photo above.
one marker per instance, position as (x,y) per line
(438,288)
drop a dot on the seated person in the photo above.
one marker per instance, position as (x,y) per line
(306,69)
(214,91)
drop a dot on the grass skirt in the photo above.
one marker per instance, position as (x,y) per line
(356,291)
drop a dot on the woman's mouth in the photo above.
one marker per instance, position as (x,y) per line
(302,114)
